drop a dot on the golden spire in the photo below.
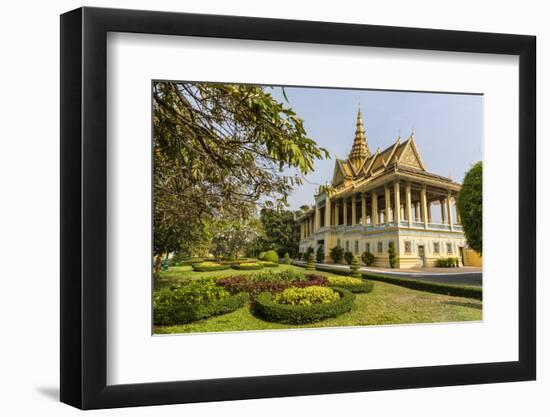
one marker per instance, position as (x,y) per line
(360,149)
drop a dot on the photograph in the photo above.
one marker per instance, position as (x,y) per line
(289,207)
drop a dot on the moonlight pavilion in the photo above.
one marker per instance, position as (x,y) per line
(386,196)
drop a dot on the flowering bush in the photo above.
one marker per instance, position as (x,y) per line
(306,296)
(254,286)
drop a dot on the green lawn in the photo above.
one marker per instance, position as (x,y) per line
(386,304)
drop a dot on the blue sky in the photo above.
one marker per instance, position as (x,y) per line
(447,128)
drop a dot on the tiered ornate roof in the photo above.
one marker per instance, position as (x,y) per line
(361,164)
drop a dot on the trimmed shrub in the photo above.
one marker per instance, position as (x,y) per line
(367,258)
(449,262)
(286,259)
(310,262)
(261,256)
(267,264)
(320,255)
(306,296)
(285,276)
(248,266)
(337,254)
(209,266)
(194,301)
(348,257)
(466,291)
(192,261)
(355,285)
(308,251)
(392,255)
(269,310)
(253,286)
(354,268)
(271,256)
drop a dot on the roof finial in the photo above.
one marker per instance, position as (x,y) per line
(360,149)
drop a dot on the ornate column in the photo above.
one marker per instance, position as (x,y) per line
(327,211)
(408,203)
(388,204)
(423,206)
(397,203)
(429,211)
(458,219)
(443,211)
(364,208)
(336,212)
(374,208)
(353,210)
(449,212)
(345,208)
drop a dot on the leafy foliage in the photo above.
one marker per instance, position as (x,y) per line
(320,255)
(286,260)
(354,268)
(367,258)
(348,257)
(269,310)
(450,262)
(337,254)
(306,296)
(209,266)
(218,149)
(470,206)
(355,285)
(310,262)
(253,286)
(248,266)
(392,254)
(271,256)
(194,301)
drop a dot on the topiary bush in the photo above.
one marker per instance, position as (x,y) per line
(450,262)
(392,255)
(268,264)
(354,268)
(247,284)
(261,256)
(248,266)
(271,256)
(348,257)
(355,285)
(320,255)
(337,254)
(286,259)
(197,300)
(310,262)
(306,296)
(270,310)
(367,258)
(209,266)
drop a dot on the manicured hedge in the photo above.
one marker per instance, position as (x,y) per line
(363,286)
(247,284)
(168,315)
(343,272)
(271,256)
(268,264)
(209,266)
(446,289)
(269,310)
(248,266)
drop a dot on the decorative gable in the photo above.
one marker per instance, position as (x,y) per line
(409,156)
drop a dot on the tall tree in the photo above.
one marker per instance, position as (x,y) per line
(219,149)
(282,232)
(470,206)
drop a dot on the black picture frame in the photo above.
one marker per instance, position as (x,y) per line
(84,207)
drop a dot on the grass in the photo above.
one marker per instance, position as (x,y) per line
(386,304)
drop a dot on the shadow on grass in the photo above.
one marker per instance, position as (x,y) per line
(477,306)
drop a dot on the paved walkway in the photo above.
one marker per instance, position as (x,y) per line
(459,276)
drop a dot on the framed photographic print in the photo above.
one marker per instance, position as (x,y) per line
(256,208)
